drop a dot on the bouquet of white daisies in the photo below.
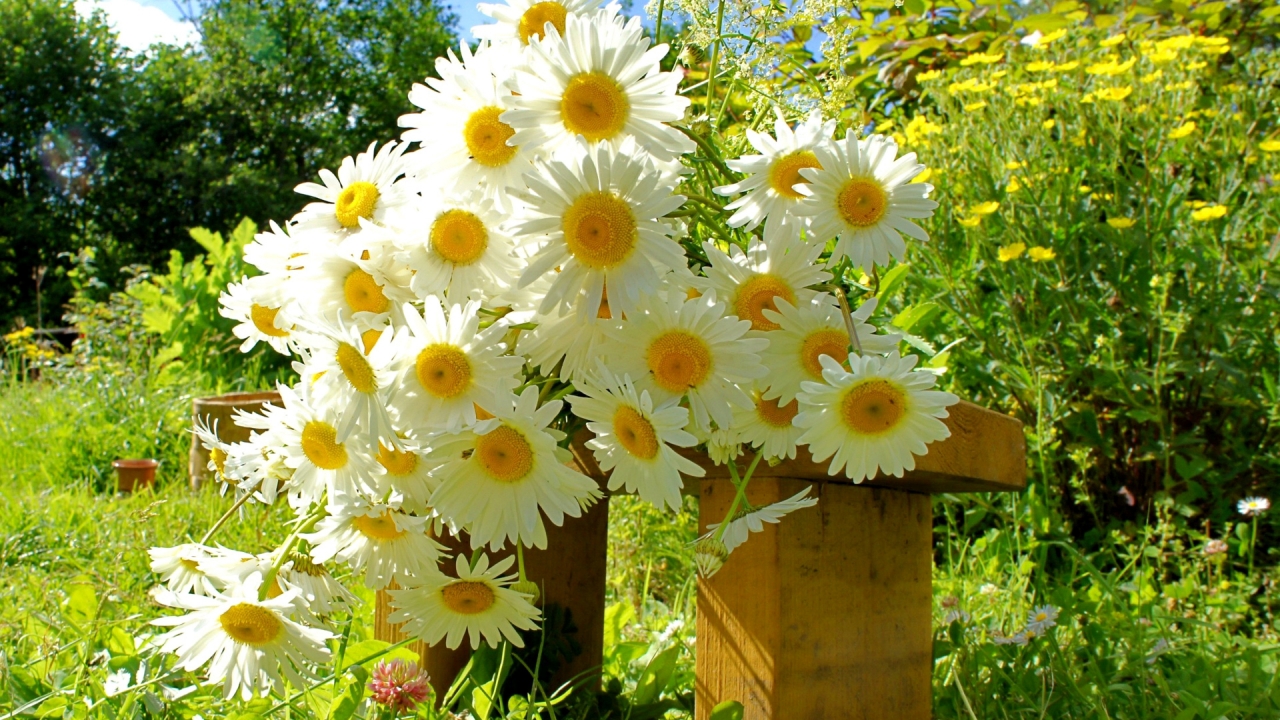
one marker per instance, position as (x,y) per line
(520,270)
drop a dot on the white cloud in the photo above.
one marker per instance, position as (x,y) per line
(138,25)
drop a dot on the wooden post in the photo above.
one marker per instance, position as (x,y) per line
(222,410)
(828,614)
(572,572)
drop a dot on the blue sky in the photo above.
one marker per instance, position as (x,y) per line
(468,15)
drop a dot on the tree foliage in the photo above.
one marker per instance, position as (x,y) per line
(128,153)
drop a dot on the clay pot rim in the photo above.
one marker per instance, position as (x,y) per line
(240,398)
(135,464)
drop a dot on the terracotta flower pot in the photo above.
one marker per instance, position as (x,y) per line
(134,475)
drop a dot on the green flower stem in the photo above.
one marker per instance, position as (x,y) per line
(1253,541)
(740,496)
(520,560)
(657,26)
(715,56)
(707,148)
(306,525)
(330,678)
(225,517)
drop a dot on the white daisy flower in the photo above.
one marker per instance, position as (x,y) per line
(353,372)
(477,604)
(864,196)
(218,450)
(678,347)
(768,425)
(462,143)
(749,519)
(501,474)
(459,249)
(406,474)
(179,568)
(1042,618)
(367,188)
(600,80)
(258,465)
(523,20)
(750,282)
(595,216)
(321,463)
(774,173)
(261,312)
(383,542)
(1253,506)
(567,340)
(710,555)
(451,367)
(808,332)
(277,250)
(323,595)
(633,439)
(247,643)
(337,287)
(876,418)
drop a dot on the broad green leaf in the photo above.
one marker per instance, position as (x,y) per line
(484,697)
(366,648)
(891,281)
(1065,7)
(728,710)
(616,617)
(349,695)
(915,314)
(81,605)
(656,676)
(916,7)
(1045,22)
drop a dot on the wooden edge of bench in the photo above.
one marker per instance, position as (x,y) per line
(986,452)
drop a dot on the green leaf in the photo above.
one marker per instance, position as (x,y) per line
(484,697)
(913,315)
(891,281)
(916,7)
(1045,22)
(616,617)
(656,676)
(366,648)
(1065,6)
(81,605)
(350,695)
(728,710)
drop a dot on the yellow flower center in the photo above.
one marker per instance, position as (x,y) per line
(369,338)
(784,174)
(398,463)
(275,590)
(189,564)
(219,458)
(264,318)
(459,236)
(444,370)
(356,201)
(356,368)
(679,360)
(830,342)
(320,445)
(873,407)
(486,136)
(535,19)
(382,527)
(757,294)
(250,624)
(635,432)
(862,202)
(467,597)
(364,294)
(600,230)
(504,454)
(777,416)
(594,106)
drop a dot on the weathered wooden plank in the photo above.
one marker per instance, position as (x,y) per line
(985,453)
(824,616)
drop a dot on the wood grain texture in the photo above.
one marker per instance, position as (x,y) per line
(985,453)
(222,410)
(824,616)
(572,572)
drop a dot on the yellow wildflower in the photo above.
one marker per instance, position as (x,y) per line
(1067,66)
(1014,186)
(929,75)
(1210,40)
(1197,65)
(1216,50)
(1040,66)
(984,58)
(1233,87)
(1212,212)
(1027,101)
(1050,37)
(1048,124)
(1114,93)
(1182,130)
(1195,204)
(970,221)
(1113,40)
(1269,146)
(919,129)
(923,176)
(1184,85)
(1177,42)
(1151,76)
(1014,165)
(1011,252)
(971,107)
(1041,254)
(1087,98)
(997,74)
(1162,56)
(986,208)
(1084,190)
(970,85)
(1120,223)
